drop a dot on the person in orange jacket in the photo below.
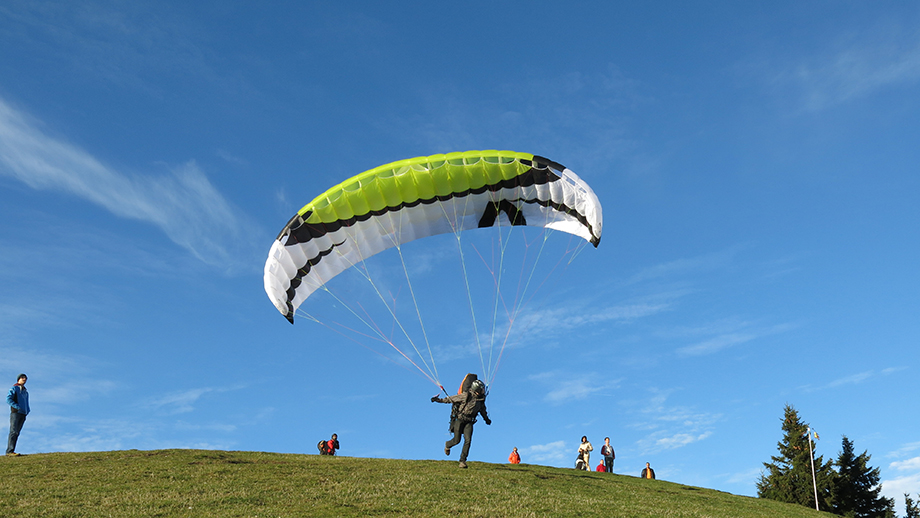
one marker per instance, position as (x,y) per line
(647,472)
(515,457)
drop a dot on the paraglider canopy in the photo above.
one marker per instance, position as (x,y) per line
(407,200)
(410,199)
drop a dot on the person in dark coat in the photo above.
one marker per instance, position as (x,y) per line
(472,403)
(609,455)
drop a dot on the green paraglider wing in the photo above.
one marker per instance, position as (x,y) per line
(420,197)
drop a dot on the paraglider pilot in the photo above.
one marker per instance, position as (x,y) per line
(471,404)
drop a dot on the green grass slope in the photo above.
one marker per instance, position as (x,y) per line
(198,483)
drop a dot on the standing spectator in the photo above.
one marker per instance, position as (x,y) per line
(514,458)
(648,472)
(18,399)
(600,467)
(584,450)
(609,455)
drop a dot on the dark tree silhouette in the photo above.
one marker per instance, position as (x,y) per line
(856,491)
(910,507)
(788,477)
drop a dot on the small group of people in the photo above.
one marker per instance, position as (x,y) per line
(18,399)
(470,402)
(583,461)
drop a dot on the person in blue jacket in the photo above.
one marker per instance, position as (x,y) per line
(18,399)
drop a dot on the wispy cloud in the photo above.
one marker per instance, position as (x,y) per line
(897,487)
(64,377)
(716,344)
(548,325)
(744,477)
(670,427)
(183,401)
(679,439)
(853,379)
(907,449)
(551,453)
(552,322)
(906,465)
(61,396)
(116,434)
(183,204)
(907,479)
(75,390)
(683,266)
(873,61)
(594,112)
(743,332)
(574,387)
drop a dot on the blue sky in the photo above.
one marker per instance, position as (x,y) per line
(757,166)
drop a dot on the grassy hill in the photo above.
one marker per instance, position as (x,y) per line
(250,484)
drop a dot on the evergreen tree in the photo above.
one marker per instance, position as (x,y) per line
(788,477)
(912,508)
(856,490)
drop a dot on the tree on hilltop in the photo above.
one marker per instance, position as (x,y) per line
(911,508)
(788,477)
(857,491)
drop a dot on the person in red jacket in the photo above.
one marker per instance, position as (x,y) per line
(514,458)
(332,445)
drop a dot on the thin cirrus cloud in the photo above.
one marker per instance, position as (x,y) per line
(679,439)
(668,427)
(861,69)
(184,401)
(906,465)
(853,379)
(184,205)
(550,322)
(702,263)
(908,477)
(554,452)
(574,387)
(728,338)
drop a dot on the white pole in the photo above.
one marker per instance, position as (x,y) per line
(813,480)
